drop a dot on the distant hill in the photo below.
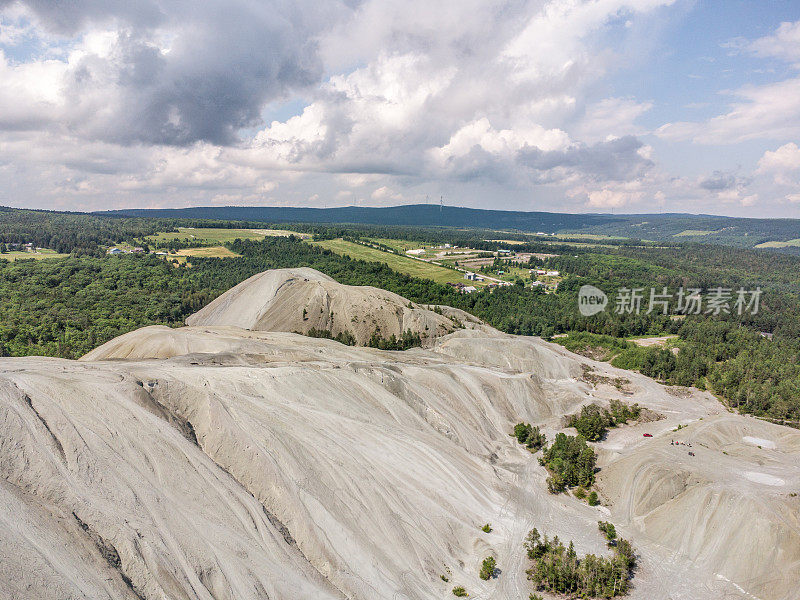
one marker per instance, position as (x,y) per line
(412,215)
(668,226)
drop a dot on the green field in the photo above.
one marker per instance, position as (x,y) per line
(215,236)
(208,252)
(786,244)
(587,236)
(692,232)
(400,245)
(43,253)
(185,255)
(403,264)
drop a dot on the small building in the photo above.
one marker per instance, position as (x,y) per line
(540,271)
(538,284)
(116,251)
(552,273)
(138,250)
(416,251)
(468,289)
(471,276)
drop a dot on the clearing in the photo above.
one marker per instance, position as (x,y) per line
(693,232)
(403,264)
(653,341)
(184,254)
(777,244)
(38,255)
(219,235)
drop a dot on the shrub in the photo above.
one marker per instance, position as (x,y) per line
(460,592)
(609,530)
(529,435)
(487,528)
(592,423)
(488,567)
(570,462)
(593,499)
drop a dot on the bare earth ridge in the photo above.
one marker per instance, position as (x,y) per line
(224,461)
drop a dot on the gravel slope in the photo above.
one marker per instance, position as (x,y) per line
(216,462)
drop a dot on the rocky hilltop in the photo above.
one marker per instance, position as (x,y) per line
(302,299)
(233,459)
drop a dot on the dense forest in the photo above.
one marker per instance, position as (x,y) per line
(73,233)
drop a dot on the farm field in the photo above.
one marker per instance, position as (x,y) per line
(403,264)
(776,244)
(588,236)
(185,254)
(218,236)
(44,253)
(400,245)
(208,252)
(693,232)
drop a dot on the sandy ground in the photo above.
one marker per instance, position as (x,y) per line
(216,462)
(654,341)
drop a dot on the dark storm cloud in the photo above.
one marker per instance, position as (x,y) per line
(226,60)
(70,17)
(616,160)
(719,181)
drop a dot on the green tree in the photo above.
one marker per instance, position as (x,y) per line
(488,568)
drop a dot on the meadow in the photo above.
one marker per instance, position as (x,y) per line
(402,264)
(217,236)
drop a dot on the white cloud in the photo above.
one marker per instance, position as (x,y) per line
(783,44)
(783,164)
(504,143)
(612,117)
(611,198)
(152,103)
(770,111)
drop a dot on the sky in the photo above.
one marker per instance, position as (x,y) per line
(623,106)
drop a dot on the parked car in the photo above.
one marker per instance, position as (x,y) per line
(647,434)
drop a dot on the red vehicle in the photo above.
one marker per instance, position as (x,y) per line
(647,434)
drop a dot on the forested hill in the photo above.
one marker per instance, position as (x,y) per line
(709,229)
(414,215)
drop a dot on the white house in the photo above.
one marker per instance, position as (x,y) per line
(468,289)
(471,276)
(416,251)
(552,273)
